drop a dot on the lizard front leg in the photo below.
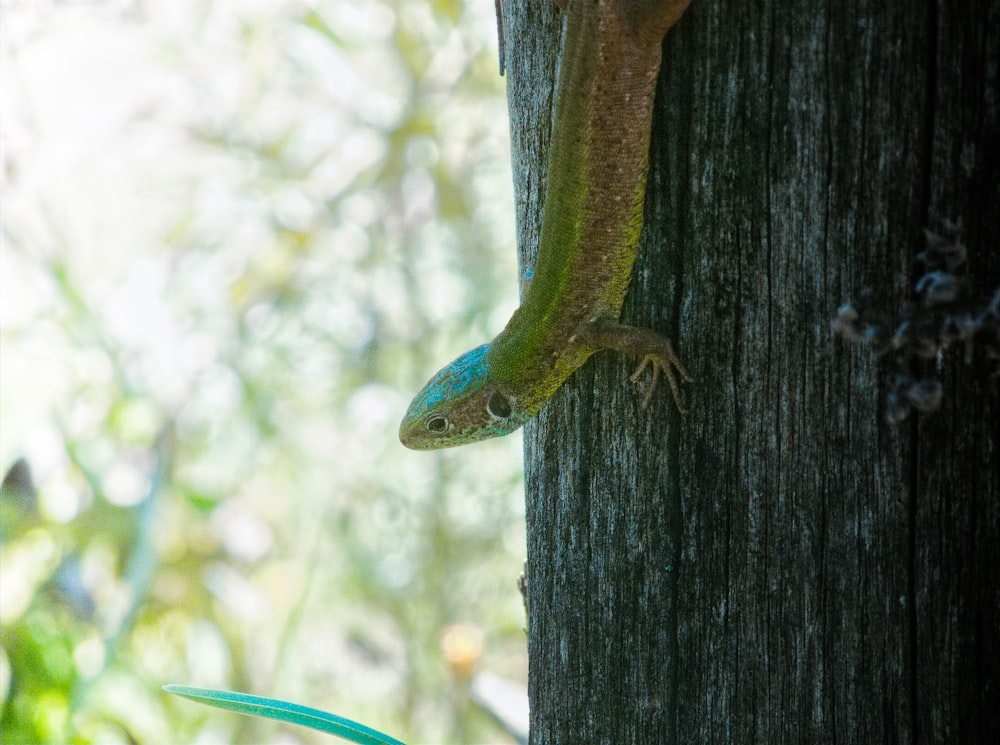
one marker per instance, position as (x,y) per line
(656,350)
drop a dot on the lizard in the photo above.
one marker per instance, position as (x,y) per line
(592,215)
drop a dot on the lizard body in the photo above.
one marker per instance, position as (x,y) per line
(591,220)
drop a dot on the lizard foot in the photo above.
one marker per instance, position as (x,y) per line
(656,350)
(664,363)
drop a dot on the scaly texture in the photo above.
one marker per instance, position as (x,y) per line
(590,230)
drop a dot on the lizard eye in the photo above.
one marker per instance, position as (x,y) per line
(437,424)
(498,406)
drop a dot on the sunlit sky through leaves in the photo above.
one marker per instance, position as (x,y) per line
(236,238)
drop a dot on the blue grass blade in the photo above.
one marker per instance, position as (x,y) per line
(283,711)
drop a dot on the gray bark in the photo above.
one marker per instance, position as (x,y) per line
(782,565)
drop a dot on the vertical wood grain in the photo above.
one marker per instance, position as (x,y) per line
(782,565)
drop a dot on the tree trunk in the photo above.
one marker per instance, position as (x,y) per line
(782,565)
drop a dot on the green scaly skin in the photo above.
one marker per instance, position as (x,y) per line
(591,221)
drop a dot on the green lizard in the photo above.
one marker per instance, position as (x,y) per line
(591,219)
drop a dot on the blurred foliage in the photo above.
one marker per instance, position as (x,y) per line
(237,237)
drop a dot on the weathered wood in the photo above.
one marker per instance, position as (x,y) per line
(781,566)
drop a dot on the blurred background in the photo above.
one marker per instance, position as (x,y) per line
(237,237)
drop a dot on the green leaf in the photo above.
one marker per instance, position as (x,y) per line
(283,711)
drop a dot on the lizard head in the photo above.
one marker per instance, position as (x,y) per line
(460,404)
